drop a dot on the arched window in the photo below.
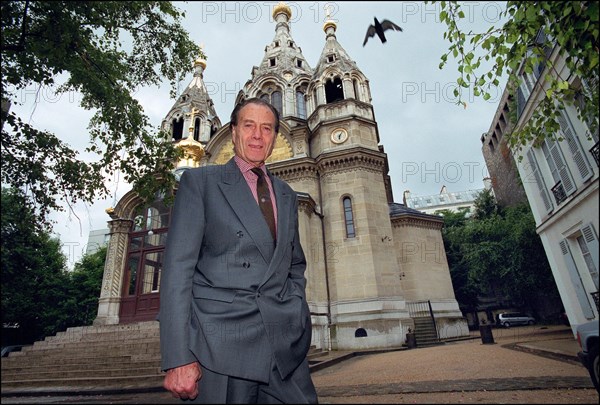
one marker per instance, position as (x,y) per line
(360,332)
(334,90)
(146,245)
(177,128)
(273,96)
(197,129)
(300,105)
(277,102)
(349,218)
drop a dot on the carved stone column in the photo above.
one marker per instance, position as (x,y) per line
(110,295)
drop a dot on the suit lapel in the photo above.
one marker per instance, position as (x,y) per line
(238,195)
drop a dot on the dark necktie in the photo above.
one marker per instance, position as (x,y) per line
(264,200)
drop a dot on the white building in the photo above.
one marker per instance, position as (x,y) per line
(455,201)
(97,238)
(561,182)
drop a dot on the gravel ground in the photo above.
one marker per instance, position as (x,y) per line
(465,360)
(577,396)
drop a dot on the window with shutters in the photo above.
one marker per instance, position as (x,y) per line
(564,185)
(575,277)
(587,256)
(539,180)
(574,146)
(588,244)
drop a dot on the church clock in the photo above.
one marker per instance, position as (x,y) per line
(339,135)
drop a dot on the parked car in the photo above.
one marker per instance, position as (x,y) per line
(587,337)
(508,319)
(6,350)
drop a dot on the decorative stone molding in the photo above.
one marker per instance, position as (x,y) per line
(349,160)
(413,222)
(294,170)
(306,204)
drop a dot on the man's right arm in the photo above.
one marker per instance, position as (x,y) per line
(182,381)
(181,255)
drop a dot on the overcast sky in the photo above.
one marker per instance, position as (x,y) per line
(429,140)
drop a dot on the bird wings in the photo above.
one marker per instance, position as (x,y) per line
(385,25)
(370,32)
(388,25)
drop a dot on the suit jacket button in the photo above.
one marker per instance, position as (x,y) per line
(246,265)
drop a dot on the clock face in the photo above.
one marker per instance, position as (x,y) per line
(339,135)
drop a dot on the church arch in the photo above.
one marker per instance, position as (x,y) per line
(145,244)
(177,125)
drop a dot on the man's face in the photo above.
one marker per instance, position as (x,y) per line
(254,135)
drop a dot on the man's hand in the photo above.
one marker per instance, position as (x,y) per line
(183,381)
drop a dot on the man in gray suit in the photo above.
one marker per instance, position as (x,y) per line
(234,322)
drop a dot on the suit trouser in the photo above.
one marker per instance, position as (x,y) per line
(297,388)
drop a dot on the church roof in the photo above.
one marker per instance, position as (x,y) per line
(333,54)
(399,210)
(195,98)
(284,51)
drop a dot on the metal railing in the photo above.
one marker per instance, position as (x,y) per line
(559,193)
(594,151)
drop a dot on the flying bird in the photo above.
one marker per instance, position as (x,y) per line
(379,29)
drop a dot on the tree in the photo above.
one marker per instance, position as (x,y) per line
(34,272)
(573,25)
(498,254)
(81,305)
(485,204)
(465,289)
(104,50)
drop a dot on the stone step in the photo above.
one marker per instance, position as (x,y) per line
(99,338)
(52,360)
(136,346)
(78,373)
(87,383)
(109,332)
(20,368)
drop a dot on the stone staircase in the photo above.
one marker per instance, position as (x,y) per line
(88,359)
(425,332)
(103,359)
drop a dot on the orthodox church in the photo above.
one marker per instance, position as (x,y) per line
(373,266)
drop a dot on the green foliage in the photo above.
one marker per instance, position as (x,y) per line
(485,205)
(484,58)
(497,253)
(33,270)
(105,51)
(38,293)
(81,305)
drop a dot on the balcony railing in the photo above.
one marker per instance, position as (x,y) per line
(559,193)
(594,152)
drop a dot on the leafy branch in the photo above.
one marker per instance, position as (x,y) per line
(534,35)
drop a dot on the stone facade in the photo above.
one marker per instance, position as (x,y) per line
(499,159)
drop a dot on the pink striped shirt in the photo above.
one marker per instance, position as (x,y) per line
(251,179)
